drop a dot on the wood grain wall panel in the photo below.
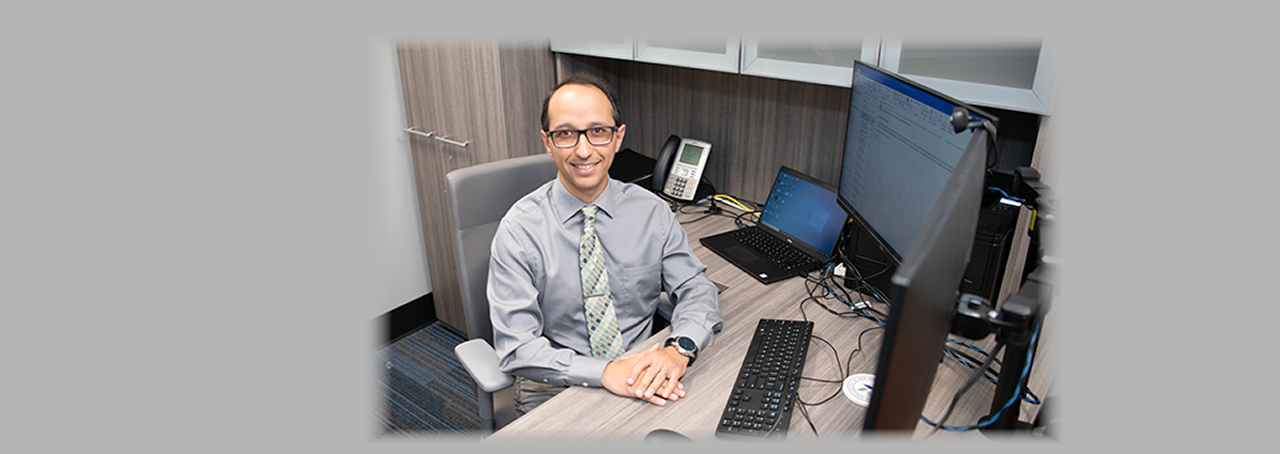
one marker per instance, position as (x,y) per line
(481,93)
(755,124)
(528,74)
(425,107)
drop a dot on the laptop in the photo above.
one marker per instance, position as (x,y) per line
(797,232)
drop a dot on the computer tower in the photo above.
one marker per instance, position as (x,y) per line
(990,253)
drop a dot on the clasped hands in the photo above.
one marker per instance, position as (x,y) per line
(652,375)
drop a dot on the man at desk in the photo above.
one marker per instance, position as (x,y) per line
(577,266)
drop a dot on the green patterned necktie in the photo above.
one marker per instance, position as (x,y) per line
(602,322)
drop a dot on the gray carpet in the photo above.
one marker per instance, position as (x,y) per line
(424,389)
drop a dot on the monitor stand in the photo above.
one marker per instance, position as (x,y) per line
(872,262)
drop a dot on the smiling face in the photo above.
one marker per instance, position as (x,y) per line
(583,168)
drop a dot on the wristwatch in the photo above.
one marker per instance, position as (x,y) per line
(685,346)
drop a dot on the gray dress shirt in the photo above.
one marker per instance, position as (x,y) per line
(535,290)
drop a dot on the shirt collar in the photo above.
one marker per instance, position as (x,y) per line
(567,206)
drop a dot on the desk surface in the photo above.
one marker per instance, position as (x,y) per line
(595,413)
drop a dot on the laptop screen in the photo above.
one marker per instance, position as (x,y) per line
(805,209)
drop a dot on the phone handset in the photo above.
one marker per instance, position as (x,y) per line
(686,158)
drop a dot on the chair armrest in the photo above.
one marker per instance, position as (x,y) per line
(482,363)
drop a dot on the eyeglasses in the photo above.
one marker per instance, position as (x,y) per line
(568,138)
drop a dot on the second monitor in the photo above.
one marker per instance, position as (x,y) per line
(900,150)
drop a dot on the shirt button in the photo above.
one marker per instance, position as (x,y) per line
(584,384)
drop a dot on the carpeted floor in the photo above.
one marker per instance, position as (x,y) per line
(424,389)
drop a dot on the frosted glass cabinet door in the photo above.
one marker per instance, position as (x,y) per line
(1010,74)
(829,63)
(715,55)
(623,48)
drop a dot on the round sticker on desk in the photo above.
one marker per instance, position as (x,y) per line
(857,388)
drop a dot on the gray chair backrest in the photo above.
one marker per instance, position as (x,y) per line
(478,198)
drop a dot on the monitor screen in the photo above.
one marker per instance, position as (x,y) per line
(924,293)
(805,209)
(900,149)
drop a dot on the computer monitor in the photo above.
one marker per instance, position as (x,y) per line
(924,292)
(900,150)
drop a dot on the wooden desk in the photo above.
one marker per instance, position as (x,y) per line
(595,413)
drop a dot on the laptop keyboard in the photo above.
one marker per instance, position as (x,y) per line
(782,254)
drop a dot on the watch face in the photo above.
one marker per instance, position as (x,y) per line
(687,344)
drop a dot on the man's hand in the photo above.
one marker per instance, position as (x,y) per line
(640,375)
(658,373)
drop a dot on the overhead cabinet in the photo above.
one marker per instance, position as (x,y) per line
(1014,74)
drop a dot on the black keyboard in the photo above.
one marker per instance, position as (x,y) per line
(779,252)
(765,389)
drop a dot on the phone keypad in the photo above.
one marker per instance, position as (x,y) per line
(681,187)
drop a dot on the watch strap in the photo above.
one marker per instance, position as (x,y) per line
(692,355)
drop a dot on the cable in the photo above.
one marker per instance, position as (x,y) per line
(737,220)
(862,281)
(1026,369)
(956,354)
(971,347)
(867,304)
(1006,195)
(838,370)
(973,378)
(812,285)
(862,310)
(849,362)
(1028,396)
(986,421)
(738,203)
(805,412)
(712,210)
(729,199)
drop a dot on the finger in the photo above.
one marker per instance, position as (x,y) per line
(674,384)
(670,386)
(674,391)
(660,378)
(649,381)
(657,401)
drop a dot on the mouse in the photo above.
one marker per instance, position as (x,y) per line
(665,435)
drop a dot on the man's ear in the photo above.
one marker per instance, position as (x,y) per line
(618,136)
(546,143)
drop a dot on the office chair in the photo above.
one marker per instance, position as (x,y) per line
(478,198)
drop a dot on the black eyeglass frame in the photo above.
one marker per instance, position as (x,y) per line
(613,130)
